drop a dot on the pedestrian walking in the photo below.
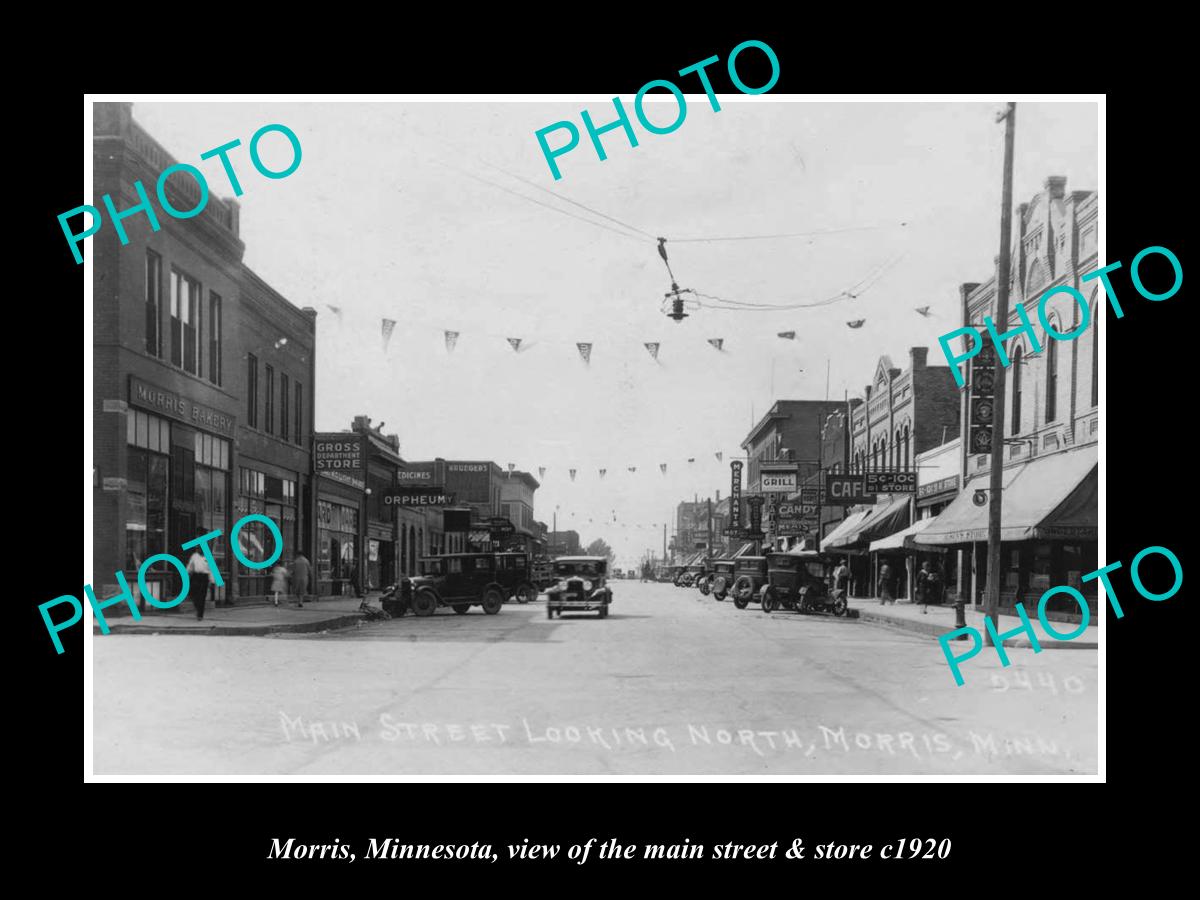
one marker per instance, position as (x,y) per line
(301,571)
(841,575)
(279,582)
(198,577)
(924,586)
(886,594)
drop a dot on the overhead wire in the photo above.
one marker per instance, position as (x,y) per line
(854,291)
(594,212)
(790,234)
(540,203)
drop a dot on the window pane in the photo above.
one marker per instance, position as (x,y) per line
(143,430)
(164,435)
(131,427)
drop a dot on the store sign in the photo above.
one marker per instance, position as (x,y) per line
(179,408)
(810,496)
(778,479)
(414,475)
(792,510)
(339,457)
(415,496)
(795,527)
(499,525)
(735,498)
(756,505)
(479,537)
(845,490)
(472,481)
(940,486)
(891,482)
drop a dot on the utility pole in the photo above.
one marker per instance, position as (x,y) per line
(991,604)
(709,527)
(664,542)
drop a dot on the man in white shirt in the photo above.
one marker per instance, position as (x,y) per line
(198,575)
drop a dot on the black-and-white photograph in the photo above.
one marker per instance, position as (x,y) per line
(510,437)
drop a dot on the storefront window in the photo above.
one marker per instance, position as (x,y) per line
(337,538)
(147,489)
(274,498)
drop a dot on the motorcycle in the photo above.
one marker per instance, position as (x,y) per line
(391,602)
(817,600)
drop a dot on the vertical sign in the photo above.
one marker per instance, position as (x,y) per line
(735,497)
(982,400)
(756,505)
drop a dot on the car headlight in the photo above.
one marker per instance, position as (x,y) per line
(562,585)
(587,585)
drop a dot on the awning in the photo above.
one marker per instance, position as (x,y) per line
(743,550)
(884,518)
(899,540)
(1048,498)
(847,525)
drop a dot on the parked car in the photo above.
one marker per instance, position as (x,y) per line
(722,578)
(799,580)
(750,575)
(582,586)
(457,580)
(514,571)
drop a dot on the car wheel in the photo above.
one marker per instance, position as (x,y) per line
(743,590)
(461,608)
(839,606)
(425,603)
(705,587)
(492,601)
(719,587)
(769,601)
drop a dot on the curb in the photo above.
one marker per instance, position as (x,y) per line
(235,630)
(934,631)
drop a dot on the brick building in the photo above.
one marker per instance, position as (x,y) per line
(905,413)
(1051,422)
(203,381)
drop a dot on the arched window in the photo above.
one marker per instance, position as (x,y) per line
(1095,357)
(1018,367)
(897,450)
(1051,380)
(907,446)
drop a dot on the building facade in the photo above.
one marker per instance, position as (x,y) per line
(516,505)
(905,413)
(203,381)
(1051,421)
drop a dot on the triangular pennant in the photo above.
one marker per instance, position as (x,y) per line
(923,310)
(337,311)
(716,342)
(662,467)
(788,335)
(515,343)
(451,340)
(691,459)
(857,323)
(603,472)
(388,325)
(541,472)
(652,346)
(720,456)
(571,472)
(585,351)
(632,468)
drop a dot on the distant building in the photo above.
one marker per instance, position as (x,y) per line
(790,430)
(516,504)
(563,543)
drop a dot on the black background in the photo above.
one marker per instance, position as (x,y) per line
(1021,836)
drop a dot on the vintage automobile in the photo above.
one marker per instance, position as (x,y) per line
(692,575)
(750,574)
(722,578)
(514,571)
(799,580)
(457,580)
(582,586)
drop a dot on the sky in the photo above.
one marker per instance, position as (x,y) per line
(425,213)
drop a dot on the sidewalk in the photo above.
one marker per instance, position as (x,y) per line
(940,620)
(325,614)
